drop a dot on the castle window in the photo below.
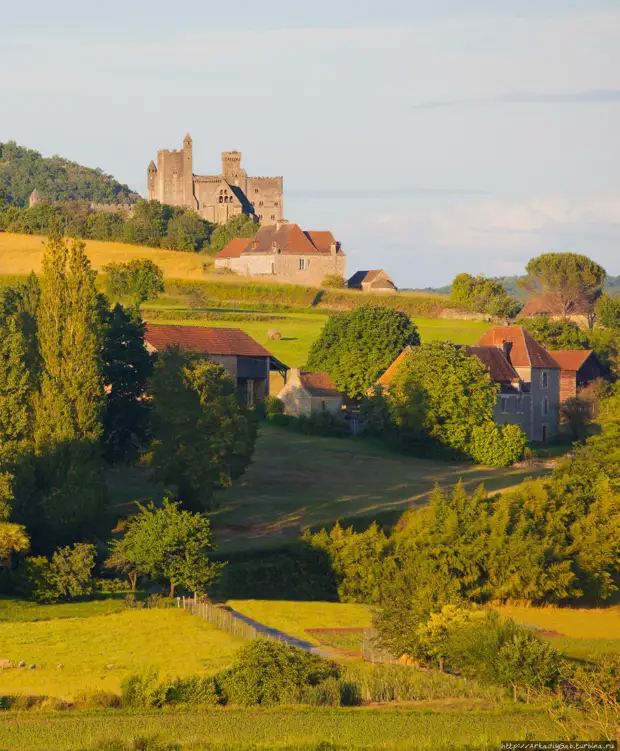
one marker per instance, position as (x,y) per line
(221,199)
(256,190)
(221,192)
(276,204)
(302,264)
(273,216)
(260,203)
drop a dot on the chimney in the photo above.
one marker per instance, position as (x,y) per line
(334,248)
(293,375)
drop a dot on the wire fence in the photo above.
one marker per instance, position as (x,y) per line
(371,649)
(221,618)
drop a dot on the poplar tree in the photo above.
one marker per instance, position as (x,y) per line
(69,406)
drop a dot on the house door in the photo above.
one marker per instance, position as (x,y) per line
(249,393)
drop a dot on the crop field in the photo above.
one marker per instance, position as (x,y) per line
(298,481)
(21,254)
(295,617)
(171,640)
(282,728)
(585,634)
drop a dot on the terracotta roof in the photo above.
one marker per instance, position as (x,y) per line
(365,276)
(287,238)
(500,370)
(524,352)
(234,248)
(203,340)
(386,378)
(540,305)
(571,359)
(318,384)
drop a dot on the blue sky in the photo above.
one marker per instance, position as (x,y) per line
(431,138)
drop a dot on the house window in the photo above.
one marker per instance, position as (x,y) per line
(301,264)
(505,403)
(545,432)
(544,378)
(520,405)
(545,405)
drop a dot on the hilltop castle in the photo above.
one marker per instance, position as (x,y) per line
(215,198)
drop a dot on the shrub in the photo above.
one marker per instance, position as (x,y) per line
(66,576)
(97,700)
(268,672)
(110,586)
(140,690)
(193,691)
(272,406)
(333,281)
(497,446)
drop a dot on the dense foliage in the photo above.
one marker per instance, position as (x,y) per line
(356,347)
(441,399)
(57,179)
(202,438)
(66,575)
(556,333)
(150,223)
(137,281)
(482,295)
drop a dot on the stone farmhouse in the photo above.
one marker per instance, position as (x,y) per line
(285,252)
(532,382)
(542,305)
(248,362)
(376,280)
(306,393)
(215,198)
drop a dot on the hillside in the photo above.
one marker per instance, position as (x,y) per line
(56,179)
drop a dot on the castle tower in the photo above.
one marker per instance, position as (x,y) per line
(232,171)
(188,173)
(151,181)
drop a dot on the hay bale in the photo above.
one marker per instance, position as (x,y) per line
(274,335)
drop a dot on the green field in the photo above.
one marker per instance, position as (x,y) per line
(282,728)
(298,481)
(175,642)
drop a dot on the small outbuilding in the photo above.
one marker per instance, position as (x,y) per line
(376,280)
(578,368)
(306,393)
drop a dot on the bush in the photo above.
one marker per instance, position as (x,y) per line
(67,575)
(111,586)
(97,700)
(333,281)
(193,691)
(272,406)
(267,672)
(497,446)
(140,690)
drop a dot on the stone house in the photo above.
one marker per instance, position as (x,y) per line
(248,362)
(306,393)
(216,198)
(376,280)
(578,368)
(285,252)
(527,375)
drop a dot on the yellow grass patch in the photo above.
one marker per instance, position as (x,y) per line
(176,642)
(577,623)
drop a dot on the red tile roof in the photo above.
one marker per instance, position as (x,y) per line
(234,248)
(203,340)
(285,237)
(524,352)
(500,370)
(318,384)
(571,359)
(543,305)
(386,378)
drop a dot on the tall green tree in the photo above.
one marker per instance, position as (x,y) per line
(483,295)
(135,281)
(608,311)
(188,232)
(555,333)
(567,280)
(127,366)
(202,436)
(69,406)
(238,226)
(356,347)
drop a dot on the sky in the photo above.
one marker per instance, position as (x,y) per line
(430,137)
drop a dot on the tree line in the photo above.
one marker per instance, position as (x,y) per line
(151,224)
(81,394)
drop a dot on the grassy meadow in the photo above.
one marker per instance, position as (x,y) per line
(286,729)
(172,640)
(298,481)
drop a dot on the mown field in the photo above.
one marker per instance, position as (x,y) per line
(298,481)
